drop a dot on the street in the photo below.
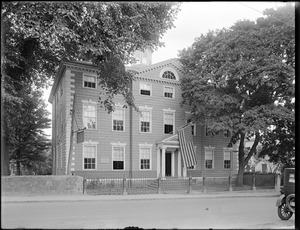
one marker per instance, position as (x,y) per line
(197,213)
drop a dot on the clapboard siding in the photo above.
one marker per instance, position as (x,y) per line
(71,80)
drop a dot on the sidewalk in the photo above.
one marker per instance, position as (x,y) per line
(84,197)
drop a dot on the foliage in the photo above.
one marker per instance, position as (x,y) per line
(38,35)
(25,122)
(242,78)
(279,142)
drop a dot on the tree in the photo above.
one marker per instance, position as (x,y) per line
(241,78)
(279,141)
(36,36)
(25,123)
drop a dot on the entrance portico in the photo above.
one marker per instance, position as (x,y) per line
(169,159)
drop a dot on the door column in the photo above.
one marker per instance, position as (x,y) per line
(179,163)
(184,171)
(158,162)
(163,162)
(173,164)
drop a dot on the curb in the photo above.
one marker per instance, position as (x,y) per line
(87,198)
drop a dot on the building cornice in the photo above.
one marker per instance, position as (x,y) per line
(157,80)
(89,67)
(169,62)
(82,66)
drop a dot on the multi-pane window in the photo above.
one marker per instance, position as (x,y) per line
(145,157)
(207,131)
(169,75)
(89,116)
(145,89)
(227,159)
(145,122)
(89,159)
(118,119)
(209,158)
(169,91)
(226,133)
(89,81)
(193,126)
(168,122)
(118,157)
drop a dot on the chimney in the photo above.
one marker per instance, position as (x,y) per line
(143,57)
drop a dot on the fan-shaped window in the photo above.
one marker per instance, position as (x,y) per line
(169,75)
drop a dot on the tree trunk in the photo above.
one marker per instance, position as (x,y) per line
(18,165)
(4,153)
(242,160)
(4,157)
(240,176)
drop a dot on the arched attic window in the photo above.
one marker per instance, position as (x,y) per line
(169,73)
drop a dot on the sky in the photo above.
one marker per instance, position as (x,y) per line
(194,19)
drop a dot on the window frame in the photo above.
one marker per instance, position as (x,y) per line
(86,144)
(89,75)
(140,89)
(84,105)
(213,157)
(145,146)
(193,124)
(194,133)
(227,133)
(173,92)
(112,118)
(145,109)
(230,158)
(118,145)
(206,133)
(164,116)
(168,68)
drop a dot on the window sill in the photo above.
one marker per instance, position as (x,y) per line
(169,98)
(89,88)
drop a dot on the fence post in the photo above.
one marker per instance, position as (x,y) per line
(190,185)
(159,185)
(124,187)
(83,185)
(277,183)
(230,185)
(204,185)
(253,181)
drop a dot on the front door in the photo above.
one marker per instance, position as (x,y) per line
(168,163)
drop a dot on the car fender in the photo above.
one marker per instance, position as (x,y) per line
(280,200)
